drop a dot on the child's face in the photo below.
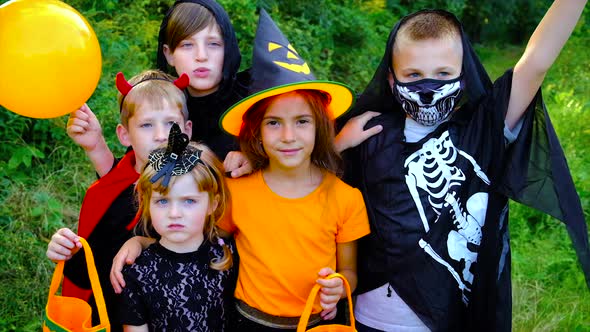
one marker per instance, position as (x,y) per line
(200,56)
(179,216)
(439,59)
(288,132)
(148,129)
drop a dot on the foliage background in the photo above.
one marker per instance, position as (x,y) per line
(43,175)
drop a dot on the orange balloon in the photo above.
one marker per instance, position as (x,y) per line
(50,60)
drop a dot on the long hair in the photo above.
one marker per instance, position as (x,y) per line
(324,153)
(208,178)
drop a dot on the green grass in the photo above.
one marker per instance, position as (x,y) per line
(31,211)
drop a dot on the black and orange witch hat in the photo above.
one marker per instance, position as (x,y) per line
(277,68)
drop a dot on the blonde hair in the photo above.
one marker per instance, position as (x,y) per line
(154,87)
(209,178)
(428,25)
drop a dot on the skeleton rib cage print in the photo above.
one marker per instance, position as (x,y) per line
(434,170)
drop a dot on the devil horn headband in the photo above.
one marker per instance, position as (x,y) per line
(124,87)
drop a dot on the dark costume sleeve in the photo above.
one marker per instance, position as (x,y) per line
(536,174)
(230,285)
(132,309)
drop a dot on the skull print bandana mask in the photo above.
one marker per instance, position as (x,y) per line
(429,101)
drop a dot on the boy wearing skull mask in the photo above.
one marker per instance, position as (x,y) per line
(436,181)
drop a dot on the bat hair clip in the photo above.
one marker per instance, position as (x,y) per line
(176,159)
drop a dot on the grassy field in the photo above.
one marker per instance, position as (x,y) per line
(43,177)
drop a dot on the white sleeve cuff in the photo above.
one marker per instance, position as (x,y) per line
(511,135)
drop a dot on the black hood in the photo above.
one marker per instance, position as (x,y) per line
(232,56)
(378,96)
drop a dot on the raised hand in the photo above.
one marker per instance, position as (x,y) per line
(84,129)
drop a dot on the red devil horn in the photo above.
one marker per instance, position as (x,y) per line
(182,82)
(122,85)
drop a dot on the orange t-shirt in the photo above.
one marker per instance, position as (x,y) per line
(283,243)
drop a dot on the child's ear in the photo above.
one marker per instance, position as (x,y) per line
(188,128)
(213,205)
(123,135)
(168,55)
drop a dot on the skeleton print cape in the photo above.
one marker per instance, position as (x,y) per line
(439,207)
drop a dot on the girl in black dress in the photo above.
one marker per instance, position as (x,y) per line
(184,281)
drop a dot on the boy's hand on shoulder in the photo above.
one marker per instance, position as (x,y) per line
(354,133)
(331,292)
(84,129)
(236,164)
(63,245)
(127,254)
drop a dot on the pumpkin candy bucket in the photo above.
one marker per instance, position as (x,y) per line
(64,313)
(301,327)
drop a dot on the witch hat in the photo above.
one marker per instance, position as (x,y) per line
(277,68)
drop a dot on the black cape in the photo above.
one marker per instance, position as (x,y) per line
(438,208)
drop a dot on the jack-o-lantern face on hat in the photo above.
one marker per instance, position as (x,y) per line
(294,64)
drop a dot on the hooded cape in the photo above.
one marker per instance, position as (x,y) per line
(232,55)
(204,112)
(453,273)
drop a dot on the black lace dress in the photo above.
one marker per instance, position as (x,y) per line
(177,292)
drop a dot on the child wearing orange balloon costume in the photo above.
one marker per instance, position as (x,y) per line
(197,38)
(150,104)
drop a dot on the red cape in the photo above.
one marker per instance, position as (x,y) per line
(99,197)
